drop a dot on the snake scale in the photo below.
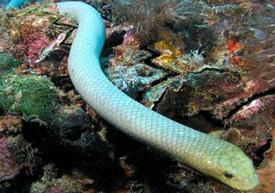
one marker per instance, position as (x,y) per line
(209,155)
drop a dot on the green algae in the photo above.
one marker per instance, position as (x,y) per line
(7,61)
(32,96)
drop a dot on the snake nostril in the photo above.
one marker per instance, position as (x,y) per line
(228,175)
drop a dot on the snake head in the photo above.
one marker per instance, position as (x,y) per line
(231,166)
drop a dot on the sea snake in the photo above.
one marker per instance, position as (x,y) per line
(209,155)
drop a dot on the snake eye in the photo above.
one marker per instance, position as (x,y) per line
(228,175)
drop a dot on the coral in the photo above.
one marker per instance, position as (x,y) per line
(5,37)
(37,99)
(258,112)
(28,36)
(35,44)
(245,46)
(8,166)
(25,154)
(7,61)
(153,94)
(10,124)
(18,158)
(149,18)
(210,66)
(129,55)
(93,151)
(173,59)
(260,46)
(200,91)
(125,78)
(50,183)
(127,69)
(33,35)
(53,45)
(134,78)
(249,88)
(254,119)
(266,170)
(70,119)
(31,95)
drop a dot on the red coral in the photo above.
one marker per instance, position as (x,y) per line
(31,43)
(233,46)
(36,43)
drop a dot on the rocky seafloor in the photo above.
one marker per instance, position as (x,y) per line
(206,64)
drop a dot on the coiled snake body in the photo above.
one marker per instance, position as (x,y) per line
(211,156)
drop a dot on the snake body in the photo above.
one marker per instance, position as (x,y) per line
(209,155)
(15,4)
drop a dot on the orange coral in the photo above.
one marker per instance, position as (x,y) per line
(234,46)
(10,123)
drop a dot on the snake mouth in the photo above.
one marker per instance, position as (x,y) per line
(251,182)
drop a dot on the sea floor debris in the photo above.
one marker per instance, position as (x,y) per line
(211,67)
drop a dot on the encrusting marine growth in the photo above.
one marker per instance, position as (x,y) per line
(209,155)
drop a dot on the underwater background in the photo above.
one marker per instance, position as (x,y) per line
(208,64)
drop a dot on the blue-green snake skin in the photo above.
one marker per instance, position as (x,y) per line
(209,155)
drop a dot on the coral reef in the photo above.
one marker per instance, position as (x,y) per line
(33,96)
(207,64)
